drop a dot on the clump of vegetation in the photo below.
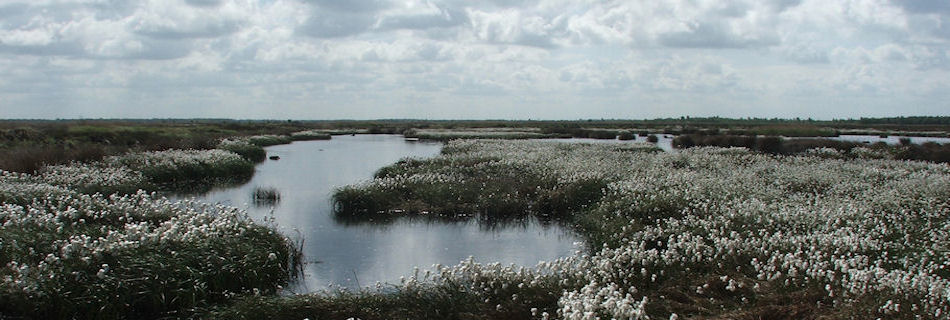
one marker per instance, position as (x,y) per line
(268,140)
(581,132)
(310,135)
(172,166)
(245,149)
(468,291)
(265,196)
(653,138)
(626,135)
(477,133)
(793,130)
(462,184)
(154,170)
(67,255)
(705,232)
(928,151)
(931,151)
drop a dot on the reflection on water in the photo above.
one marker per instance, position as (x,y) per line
(350,252)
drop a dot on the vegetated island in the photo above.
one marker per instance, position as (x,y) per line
(775,228)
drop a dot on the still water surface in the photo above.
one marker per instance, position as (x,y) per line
(359,254)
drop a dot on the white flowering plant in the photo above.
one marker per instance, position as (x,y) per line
(72,255)
(700,232)
(310,135)
(242,147)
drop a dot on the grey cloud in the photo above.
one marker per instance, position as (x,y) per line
(535,40)
(54,49)
(204,3)
(470,87)
(12,10)
(431,52)
(214,30)
(781,5)
(336,24)
(340,20)
(513,3)
(924,6)
(803,53)
(711,35)
(357,6)
(160,49)
(446,18)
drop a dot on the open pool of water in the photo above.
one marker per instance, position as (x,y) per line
(356,254)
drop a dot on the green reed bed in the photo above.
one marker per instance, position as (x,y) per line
(704,232)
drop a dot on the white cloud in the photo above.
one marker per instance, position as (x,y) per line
(544,58)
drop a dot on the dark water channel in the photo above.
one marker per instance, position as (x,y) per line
(359,254)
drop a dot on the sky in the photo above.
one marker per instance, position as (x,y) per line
(489,59)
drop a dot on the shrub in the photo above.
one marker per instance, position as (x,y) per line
(653,138)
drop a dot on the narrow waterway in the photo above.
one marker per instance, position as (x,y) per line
(359,254)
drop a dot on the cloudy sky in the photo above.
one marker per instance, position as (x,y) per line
(520,59)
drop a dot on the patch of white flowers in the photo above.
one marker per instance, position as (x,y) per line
(480,133)
(173,160)
(129,172)
(873,229)
(124,223)
(94,177)
(234,143)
